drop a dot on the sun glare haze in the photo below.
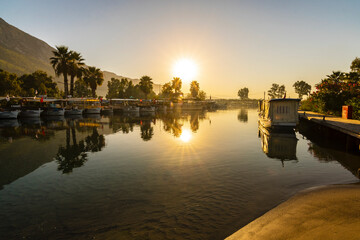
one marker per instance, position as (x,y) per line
(186,69)
(185,135)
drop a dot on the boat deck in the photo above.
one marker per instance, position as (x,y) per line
(347,126)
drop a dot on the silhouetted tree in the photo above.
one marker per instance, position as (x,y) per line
(61,62)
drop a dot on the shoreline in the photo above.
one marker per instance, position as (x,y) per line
(324,212)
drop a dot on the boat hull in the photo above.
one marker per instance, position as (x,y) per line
(9,114)
(92,110)
(74,111)
(30,113)
(54,112)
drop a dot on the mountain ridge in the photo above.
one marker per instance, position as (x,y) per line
(22,53)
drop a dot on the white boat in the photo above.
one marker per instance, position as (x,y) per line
(30,113)
(9,114)
(74,111)
(280,112)
(131,109)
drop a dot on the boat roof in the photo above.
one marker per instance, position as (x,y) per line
(284,99)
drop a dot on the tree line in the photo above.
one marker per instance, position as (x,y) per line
(278,91)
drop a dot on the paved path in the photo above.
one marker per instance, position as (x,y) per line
(348,126)
(330,213)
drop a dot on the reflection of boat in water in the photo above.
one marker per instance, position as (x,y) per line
(30,121)
(92,116)
(278,143)
(281,112)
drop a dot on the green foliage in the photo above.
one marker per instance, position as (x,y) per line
(113,88)
(333,92)
(93,77)
(81,89)
(355,65)
(202,95)
(146,85)
(302,88)
(243,93)
(38,82)
(355,103)
(194,89)
(61,62)
(76,69)
(9,84)
(176,84)
(276,91)
(166,90)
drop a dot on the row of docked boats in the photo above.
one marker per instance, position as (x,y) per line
(36,107)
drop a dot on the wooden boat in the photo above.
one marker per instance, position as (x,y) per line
(131,109)
(106,108)
(53,107)
(9,108)
(30,112)
(9,114)
(147,109)
(281,112)
(73,111)
(92,106)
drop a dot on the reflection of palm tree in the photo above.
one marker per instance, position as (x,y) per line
(243,115)
(147,131)
(71,156)
(95,142)
(194,121)
(74,155)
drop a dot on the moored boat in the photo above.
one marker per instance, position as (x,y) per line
(30,113)
(281,112)
(73,111)
(9,114)
(147,109)
(131,109)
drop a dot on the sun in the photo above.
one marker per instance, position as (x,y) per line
(185,136)
(185,69)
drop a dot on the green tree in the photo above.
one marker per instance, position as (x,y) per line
(355,65)
(146,85)
(61,62)
(76,68)
(166,90)
(39,82)
(194,89)
(176,84)
(81,89)
(113,88)
(202,95)
(243,93)
(302,88)
(9,84)
(93,77)
(276,91)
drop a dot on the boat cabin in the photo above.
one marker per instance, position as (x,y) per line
(281,112)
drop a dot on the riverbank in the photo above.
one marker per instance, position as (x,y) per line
(329,212)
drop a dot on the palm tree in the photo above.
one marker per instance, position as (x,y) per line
(75,68)
(60,62)
(93,77)
(146,85)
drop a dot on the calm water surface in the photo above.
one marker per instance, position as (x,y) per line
(195,175)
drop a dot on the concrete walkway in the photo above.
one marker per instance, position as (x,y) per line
(331,213)
(347,126)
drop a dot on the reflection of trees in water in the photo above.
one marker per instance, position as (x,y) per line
(74,155)
(243,115)
(173,121)
(36,132)
(147,131)
(121,123)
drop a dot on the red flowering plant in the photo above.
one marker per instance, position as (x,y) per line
(334,91)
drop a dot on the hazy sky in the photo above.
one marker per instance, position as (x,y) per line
(235,43)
